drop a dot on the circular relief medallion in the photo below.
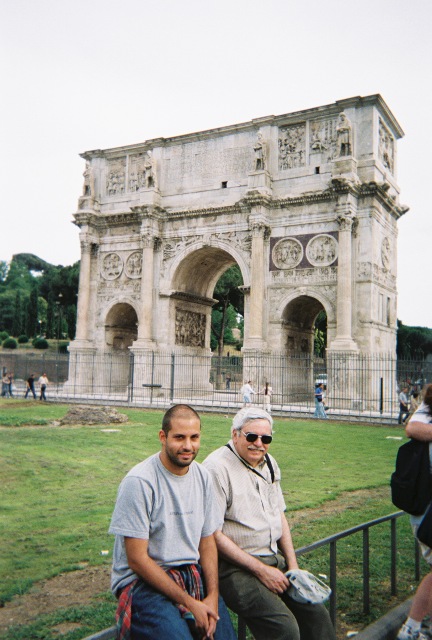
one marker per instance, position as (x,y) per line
(385,253)
(322,250)
(287,253)
(112,266)
(133,265)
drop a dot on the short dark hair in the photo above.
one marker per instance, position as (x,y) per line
(178,411)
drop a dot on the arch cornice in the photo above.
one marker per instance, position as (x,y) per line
(310,292)
(110,304)
(213,243)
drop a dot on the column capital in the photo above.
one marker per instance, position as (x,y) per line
(147,239)
(347,222)
(260,229)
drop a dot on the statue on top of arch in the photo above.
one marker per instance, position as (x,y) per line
(260,149)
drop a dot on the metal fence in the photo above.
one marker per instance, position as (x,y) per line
(355,385)
(331,542)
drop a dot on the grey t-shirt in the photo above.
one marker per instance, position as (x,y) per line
(172,512)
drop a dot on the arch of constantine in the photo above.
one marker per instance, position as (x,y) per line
(305,203)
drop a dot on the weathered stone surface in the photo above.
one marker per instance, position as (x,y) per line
(305,203)
(84,414)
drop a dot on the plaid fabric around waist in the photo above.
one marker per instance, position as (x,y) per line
(187,577)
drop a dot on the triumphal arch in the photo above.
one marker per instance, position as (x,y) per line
(305,203)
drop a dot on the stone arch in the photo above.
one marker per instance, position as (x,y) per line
(121,327)
(193,279)
(215,257)
(298,312)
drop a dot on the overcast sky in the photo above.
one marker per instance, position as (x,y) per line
(91,74)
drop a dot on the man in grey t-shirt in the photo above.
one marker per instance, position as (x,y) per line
(164,551)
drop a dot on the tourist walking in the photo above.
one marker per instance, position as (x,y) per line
(319,402)
(267,390)
(420,428)
(5,385)
(247,393)
(11,384)
(403,405)
(43,382)
(30,386)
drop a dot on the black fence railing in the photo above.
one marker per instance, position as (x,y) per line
(355,385)
(331,542)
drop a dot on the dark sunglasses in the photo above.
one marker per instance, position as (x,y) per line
(252,437)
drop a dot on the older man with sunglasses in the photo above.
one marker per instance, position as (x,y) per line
(255,545)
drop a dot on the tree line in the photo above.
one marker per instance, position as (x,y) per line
(38,298)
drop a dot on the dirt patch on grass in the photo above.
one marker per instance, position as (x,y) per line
(65,590)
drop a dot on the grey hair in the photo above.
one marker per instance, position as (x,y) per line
(247,414)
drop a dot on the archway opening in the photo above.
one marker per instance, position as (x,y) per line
(304,335)
(207,301)
(121,327)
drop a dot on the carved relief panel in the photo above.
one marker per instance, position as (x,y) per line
(386,147)
(287,253)
(136,172)
(303,251)
(112,266)
(115,177)
(322,250)
(323,139)
(292,147)
(190,328)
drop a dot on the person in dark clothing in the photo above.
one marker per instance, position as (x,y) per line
(30,386)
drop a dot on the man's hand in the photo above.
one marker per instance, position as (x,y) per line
(272,578)
(205,616)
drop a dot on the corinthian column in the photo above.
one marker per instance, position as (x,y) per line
(82,329)
(145,323)
(344,340)
(255,338)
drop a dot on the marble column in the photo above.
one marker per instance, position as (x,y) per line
(145,321)
(82,328)
(255,338)
(344,340)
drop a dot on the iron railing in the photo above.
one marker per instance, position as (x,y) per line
(331,542)
(360,386)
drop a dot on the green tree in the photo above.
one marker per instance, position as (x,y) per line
(320,334)
(33,311)
(413,342)
(227,294)
(18,316)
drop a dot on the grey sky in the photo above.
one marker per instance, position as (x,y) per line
(87,74)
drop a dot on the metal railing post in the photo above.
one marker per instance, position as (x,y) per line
(333,560)
(366,572)
(172,377)
(393,569)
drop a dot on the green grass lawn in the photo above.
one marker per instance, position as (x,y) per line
(59,486)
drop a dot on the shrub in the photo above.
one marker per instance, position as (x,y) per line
(3,335)
(10,343)
(63,347)
(40,343)
(22,339)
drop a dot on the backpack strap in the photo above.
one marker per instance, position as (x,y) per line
(266,458)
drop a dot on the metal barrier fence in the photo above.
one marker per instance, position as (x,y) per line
(356,385)
(364,528)
(331,542)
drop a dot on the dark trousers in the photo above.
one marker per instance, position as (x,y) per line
(403,413)
(155,617)
(270,616)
